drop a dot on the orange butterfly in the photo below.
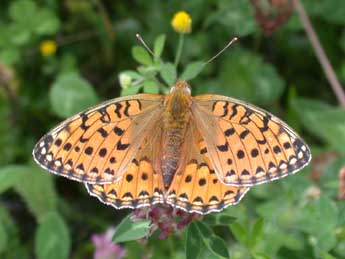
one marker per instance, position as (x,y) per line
(200,154)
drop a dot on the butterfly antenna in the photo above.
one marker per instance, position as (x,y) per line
(220,52)
(144,44)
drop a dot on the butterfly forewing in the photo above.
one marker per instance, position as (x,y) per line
(196,188)
(97,145)
(141,184)
(246,145)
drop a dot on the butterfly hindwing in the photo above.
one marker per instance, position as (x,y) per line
(246,145)
(97,145)
(141,185)
(197,188)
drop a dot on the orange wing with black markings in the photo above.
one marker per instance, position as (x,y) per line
(97,145)
(196,188)
(246,145)
(141,184)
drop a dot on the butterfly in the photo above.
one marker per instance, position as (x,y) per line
(200,154)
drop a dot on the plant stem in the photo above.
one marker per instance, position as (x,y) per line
(179,49)
(320,53)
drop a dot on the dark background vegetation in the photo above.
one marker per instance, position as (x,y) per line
(45,216)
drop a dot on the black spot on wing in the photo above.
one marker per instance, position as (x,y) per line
(105,118)
(118,107)
(234,111)
(229,132)
(127,108)
(118,131)
(103,132)
(223,148)
(121,146)
(203,151)
(244,134)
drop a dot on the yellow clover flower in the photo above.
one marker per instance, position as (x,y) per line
(182,22)
(48,48)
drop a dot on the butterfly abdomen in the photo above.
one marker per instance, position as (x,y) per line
(173,138)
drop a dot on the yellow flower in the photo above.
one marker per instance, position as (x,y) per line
(48,48)
(181,22)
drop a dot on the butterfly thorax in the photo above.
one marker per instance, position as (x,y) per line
(176,117)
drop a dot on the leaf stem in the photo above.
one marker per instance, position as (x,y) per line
(179,49)
(320,53)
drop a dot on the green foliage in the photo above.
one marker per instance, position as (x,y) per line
(26,23)
(141,55)
(52,238)
(159,45)
(237,16)
(192,70)
(11,176)
(128,230)
(3,237)
(98,58)
(8,133)
(323,121)
(38,193)
(70,94)
(193,242)
(245,76)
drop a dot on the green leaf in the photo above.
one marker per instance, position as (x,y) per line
(71,94)
(322,120)
(29,18)
(128,230)
(204,229)
(13,240)
(159,45)
(325,255)
(3,237)
(168,73)
(141,55)
(325,7)
(210,219)
(219,219)
(239,232)
(9,56)
(318,217)
(19,35)
(133,74)
(218,246)
(9,133)
(236,16)
(324,242)
(225,219)
(244,75)
(151,87)
(22,10)
(46,22)
(192,70)
(257,232)
(11,175)
(212,242)
(260,256)
(193,242)
(38,192)
(133,89)
(52,238)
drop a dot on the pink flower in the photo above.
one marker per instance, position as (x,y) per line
(105,248)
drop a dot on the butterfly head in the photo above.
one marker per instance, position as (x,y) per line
(179,98)
(182,87)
